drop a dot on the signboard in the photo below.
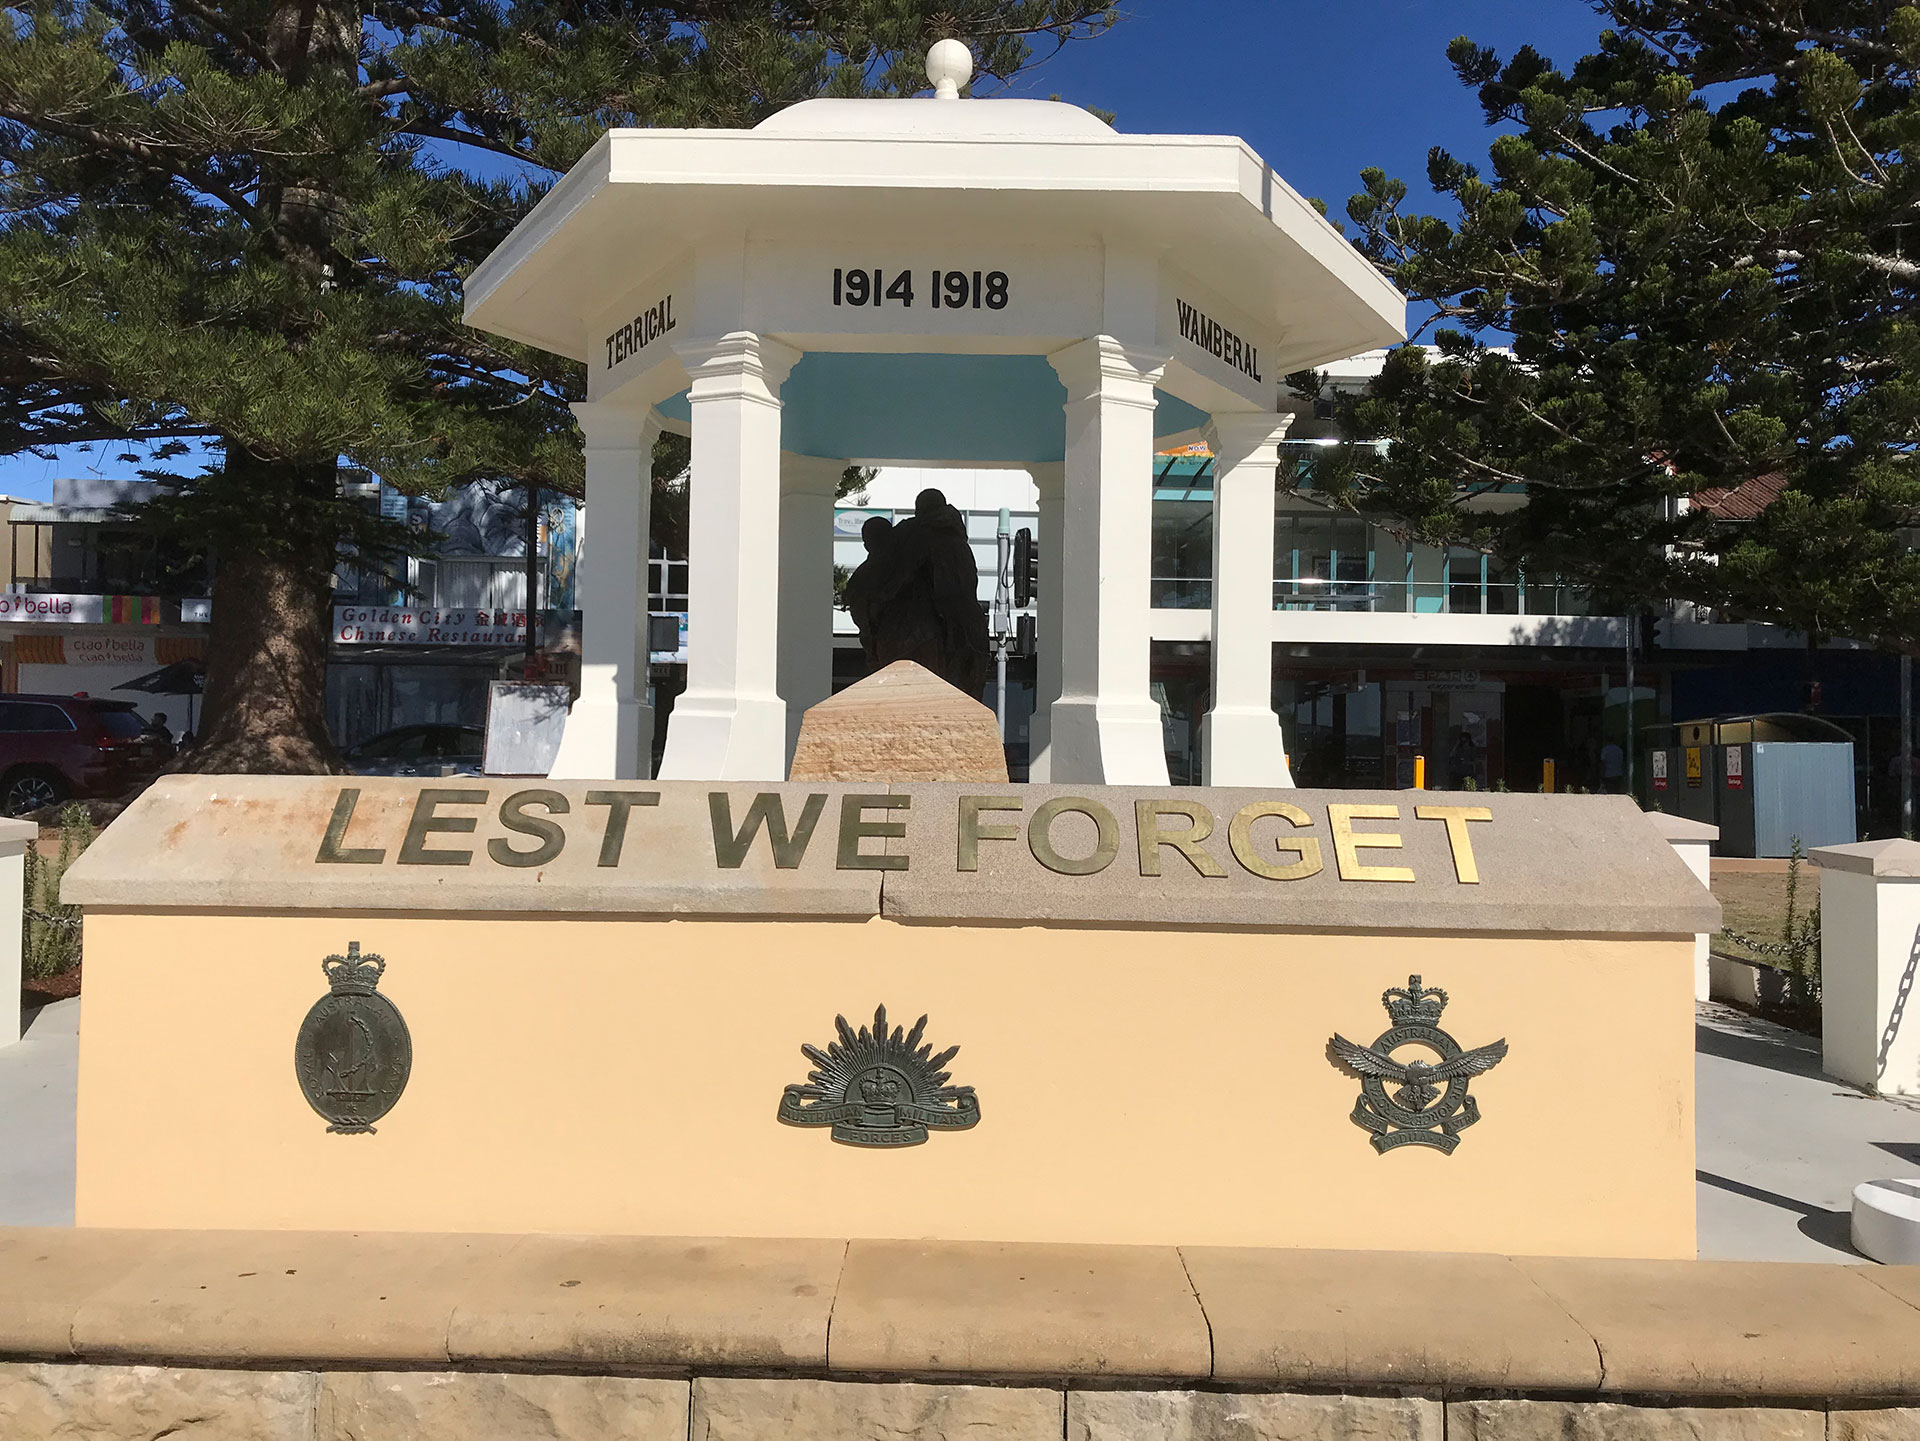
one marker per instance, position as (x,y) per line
(1736,777)
(524,725)
(53,609)
(135,650)
(427,625)
(1659,770)
(1693,766)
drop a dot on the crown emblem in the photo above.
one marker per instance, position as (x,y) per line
(353,974)
(879,1087)
(1429,1105)
(1415,1005)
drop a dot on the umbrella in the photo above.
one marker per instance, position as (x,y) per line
(183,677)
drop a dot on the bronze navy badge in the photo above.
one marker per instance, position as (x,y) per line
(353,1054)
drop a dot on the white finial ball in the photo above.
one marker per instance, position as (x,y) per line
(949,66)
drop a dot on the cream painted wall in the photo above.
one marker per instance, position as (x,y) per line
(1136,1086)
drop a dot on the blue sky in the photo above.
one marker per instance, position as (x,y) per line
(1320,89)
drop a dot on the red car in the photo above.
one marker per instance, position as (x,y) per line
(56,747)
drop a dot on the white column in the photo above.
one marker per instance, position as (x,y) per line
(1050,479)
(1105,725)
(609,734)
(1692,841)
(1240,739)
(1870,964)
(730,723)
(14,836)
(806,585)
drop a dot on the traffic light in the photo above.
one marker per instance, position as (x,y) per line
(1026,567)
(1026,636)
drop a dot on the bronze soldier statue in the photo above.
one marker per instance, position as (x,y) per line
(915,597)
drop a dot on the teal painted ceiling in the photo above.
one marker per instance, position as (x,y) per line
(982,409)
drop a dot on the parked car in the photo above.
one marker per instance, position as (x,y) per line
(419,750)
(62,747)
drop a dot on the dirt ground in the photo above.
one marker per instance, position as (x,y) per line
(1755,904)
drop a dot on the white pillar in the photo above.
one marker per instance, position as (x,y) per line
(1050,479)
(1240,739)
(1692,841)
(1870,964)
(730,723)
(609,734)
(1105,726)
(14,836)
(806,585)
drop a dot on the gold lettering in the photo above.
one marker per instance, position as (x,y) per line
(730,850)
(1150,837)
(854,828)
(333,847)
(513,815)
(619,806)
(1347,843)
(1307,848)
(972,832)
(1456,818)
(1105,847)
(413,849)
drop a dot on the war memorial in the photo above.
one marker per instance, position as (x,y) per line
(769,1099)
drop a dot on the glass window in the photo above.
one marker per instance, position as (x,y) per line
(1182,553)
(18,716)
(125,724)
(407,744)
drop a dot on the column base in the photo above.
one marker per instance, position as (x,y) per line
(1113,743)
(1243,746)
(605,739)
(726,738)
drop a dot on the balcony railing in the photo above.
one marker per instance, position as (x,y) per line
(1390,596)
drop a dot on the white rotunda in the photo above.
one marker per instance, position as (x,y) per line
(925,282)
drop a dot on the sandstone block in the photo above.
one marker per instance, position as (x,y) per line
(1614,1421)
(40,1402)
(1000,1308)
(901,724)
(767,1410)
(1874,1423)
(1212,1416)
(456,1406)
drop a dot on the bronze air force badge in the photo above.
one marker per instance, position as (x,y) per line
(1431,1106)
(353,1054)
(877,1088)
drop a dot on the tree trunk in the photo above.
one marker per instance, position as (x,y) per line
(266,688)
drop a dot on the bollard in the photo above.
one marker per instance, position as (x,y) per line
(1419,773)
(1692,841)
(1869,956)
(1546,775)
(14,836)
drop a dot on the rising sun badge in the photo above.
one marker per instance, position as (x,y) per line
(1431,1106)
(879,1088)
(353,1054)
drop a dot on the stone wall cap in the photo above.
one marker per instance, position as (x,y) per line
(962,1311)
(1680,828)
(1896,858)
(998,1308)
(1325,861)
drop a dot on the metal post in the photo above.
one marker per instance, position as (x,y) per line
(1633,621)
(1906,746)
(533,573)
(1002,618)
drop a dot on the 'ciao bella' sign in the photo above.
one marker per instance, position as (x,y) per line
(541,824)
